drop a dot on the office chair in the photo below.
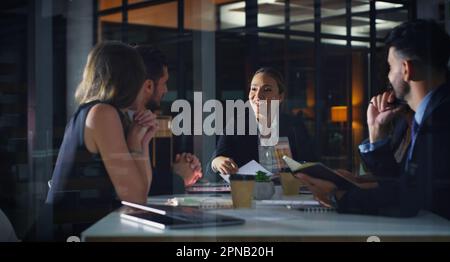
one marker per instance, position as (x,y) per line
(7,233)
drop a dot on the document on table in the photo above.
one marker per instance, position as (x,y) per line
(249,169)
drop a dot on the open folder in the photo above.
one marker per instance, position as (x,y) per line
(343,181)
(169,217)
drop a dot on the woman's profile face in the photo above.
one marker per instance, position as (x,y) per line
(263,88)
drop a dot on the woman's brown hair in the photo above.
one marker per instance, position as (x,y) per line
(275,74)
(114,74)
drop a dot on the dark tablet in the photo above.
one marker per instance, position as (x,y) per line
(167,217)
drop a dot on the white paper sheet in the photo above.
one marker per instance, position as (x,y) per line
(248,169)
(251,168)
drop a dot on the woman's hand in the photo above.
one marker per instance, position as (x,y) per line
(148,121)
(142,130)
(224,165)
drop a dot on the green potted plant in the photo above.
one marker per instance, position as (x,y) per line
(264,188)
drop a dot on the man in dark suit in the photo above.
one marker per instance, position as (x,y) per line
(418,57)
(186,168)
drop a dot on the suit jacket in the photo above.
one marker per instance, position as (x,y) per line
(164,181)
(244,148)
(425,183)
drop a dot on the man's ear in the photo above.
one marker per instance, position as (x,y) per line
(408,70)
(149,86)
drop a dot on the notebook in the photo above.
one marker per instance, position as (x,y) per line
(207,202)
(301,205)
(169,217)
(316,209)
(319,170)
(282,202)
(209,188)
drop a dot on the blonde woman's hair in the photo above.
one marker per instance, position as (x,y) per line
(114,74)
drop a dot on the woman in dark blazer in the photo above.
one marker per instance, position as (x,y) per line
(234,151)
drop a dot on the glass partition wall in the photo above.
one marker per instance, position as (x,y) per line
(330,53)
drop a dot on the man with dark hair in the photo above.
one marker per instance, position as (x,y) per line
(157,73)
(186,166)
(418,56)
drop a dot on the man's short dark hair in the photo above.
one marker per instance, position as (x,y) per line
(154,61)
(421,40)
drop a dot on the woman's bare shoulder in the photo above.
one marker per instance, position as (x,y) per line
(103,117)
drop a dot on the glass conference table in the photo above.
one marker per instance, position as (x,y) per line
(278,220)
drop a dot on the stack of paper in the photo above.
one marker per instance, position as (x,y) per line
(249,169)
(201,202)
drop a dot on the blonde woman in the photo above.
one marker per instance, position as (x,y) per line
(104,156)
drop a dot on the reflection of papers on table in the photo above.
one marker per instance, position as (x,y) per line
(288,202)
(209,188)
(249,169)
(301,205)
(201,202)
(250,214)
